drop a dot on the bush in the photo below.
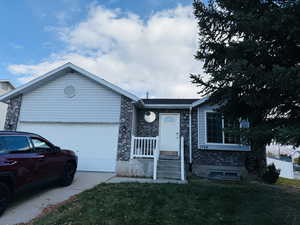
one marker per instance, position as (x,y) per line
(297,161)
(271,175)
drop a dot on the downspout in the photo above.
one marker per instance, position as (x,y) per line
(190,134)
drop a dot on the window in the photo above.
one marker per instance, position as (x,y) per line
(13,144)
(40,145)
(231,138)
(215,124)
(214,127)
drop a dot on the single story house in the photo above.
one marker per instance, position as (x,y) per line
(114,130)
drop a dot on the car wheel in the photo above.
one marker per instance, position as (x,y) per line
(68,176)
(5,197)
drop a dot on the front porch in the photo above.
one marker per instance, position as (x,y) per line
(165,165)
(160,136)
(154,142)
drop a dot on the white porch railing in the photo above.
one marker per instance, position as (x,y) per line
(182,157)
(143,147)
(147,147)
(156,157)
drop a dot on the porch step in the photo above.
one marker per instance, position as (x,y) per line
(169,157)
(168,165)
(169,175)
(172,162)
(169,169)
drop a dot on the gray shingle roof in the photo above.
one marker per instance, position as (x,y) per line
(170,101)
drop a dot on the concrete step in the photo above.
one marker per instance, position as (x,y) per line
(169,175)
(169,168)
(169,157)
(169,162)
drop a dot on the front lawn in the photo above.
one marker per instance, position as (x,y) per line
(289,182)
(200,202)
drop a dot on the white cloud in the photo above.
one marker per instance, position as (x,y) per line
(155,55)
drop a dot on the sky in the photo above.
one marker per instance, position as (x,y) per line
(141,46)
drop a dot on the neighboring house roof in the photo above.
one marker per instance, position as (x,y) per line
(8,81)
(68,67)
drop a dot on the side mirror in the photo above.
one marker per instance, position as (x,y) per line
(56,149)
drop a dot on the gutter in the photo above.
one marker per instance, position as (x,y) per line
(167,106)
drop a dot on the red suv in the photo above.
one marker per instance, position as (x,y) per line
(28,160)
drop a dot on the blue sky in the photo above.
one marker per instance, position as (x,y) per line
(39,35)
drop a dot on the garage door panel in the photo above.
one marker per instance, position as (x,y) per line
(91,164)
(95,144)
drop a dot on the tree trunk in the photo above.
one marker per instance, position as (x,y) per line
(256,160)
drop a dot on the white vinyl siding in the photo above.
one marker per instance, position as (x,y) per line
(4,88)
(93,103)
(3,110)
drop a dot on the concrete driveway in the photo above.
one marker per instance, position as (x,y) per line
(27,207)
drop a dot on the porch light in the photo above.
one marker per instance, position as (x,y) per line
(149,116)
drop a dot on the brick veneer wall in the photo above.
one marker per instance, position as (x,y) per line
(125,129)
(13,112)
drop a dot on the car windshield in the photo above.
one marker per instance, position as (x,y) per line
(13,143)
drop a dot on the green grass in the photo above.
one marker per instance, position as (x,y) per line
(288,182)
(199,202)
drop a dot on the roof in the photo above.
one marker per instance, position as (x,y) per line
(177,101)
(68,67)
(8,81)
(200,101)
(173,103)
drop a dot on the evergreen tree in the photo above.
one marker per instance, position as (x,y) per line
(250,51)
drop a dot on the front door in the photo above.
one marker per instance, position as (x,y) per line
(169,136)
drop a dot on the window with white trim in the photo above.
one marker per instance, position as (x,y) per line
(215,124)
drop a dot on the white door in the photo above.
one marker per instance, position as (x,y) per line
(95,144)
(169,125)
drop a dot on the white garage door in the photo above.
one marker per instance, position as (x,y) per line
(95,144)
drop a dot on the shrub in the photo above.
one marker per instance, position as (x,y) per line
(297,161)
(271,175)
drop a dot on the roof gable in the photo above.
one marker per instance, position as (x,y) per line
(68,67)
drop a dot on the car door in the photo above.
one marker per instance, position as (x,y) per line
(19,159)
(48,163)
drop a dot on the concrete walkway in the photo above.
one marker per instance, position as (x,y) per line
(25,208)
(143,180)
(297,175)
